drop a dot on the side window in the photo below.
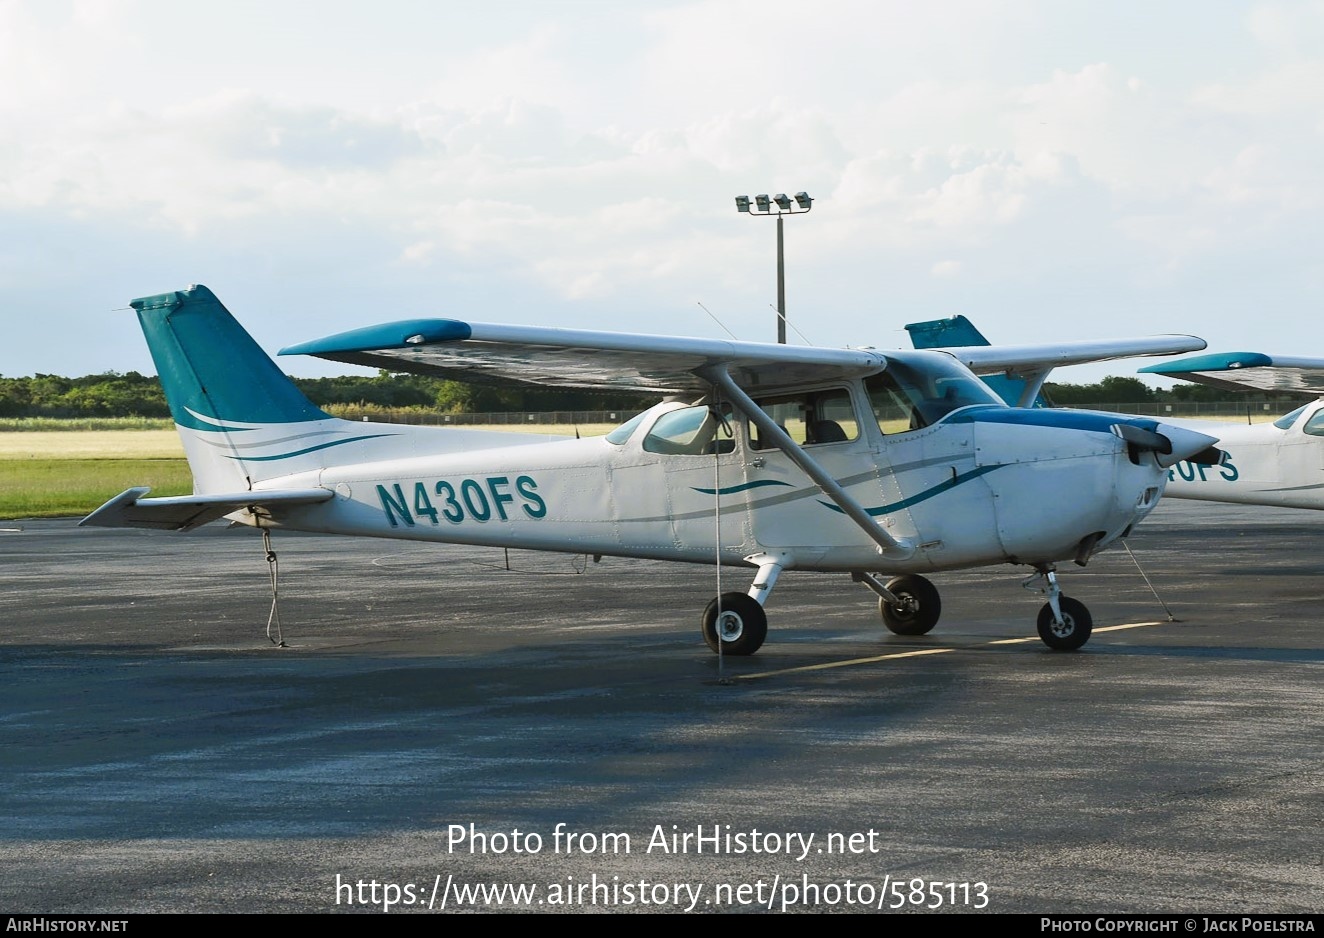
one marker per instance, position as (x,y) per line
(694,431)
(1315,425)
(809,419)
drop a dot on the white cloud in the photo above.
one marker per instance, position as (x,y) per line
(960,151)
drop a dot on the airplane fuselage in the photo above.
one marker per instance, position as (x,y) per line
(1277,464)
(985,485)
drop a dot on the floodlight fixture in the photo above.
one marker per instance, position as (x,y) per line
(763,206)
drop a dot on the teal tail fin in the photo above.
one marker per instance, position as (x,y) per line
(211,370)
(955,332)
(959,332)
(241,420)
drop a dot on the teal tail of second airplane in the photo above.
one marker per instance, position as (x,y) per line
(959,332)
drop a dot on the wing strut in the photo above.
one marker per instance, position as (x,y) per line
(893,547)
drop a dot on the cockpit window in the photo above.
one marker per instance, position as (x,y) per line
(624,431)
(1286,420)
(691,431)
(908,396)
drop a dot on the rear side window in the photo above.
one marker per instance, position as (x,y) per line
(810,419)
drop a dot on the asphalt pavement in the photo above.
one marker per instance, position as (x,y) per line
(480,731)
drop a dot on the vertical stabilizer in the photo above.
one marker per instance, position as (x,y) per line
(240,418)
(211,369)
(954,332)
(959,332)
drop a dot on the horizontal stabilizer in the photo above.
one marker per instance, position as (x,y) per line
(1248,371)
(186,512)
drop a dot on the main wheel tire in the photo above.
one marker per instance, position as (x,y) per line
(742,624)
(919,609)
(1072,632)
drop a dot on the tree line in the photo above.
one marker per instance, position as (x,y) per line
(134,395)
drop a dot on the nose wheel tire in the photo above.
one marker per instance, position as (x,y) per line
(1074,629)
(918,610)
(742,624)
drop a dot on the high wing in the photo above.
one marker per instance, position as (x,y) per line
(185,512)
(543,357)
(1248,371)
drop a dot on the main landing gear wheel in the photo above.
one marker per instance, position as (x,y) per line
(1074,629)
(742,624)
(919,608)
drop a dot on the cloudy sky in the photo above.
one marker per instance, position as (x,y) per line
(1052,169)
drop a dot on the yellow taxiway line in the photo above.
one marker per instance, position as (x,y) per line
(874,659)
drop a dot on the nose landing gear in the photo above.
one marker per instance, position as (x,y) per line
(1064,623)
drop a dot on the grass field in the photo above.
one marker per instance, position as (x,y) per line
(56,473)
(57,488)
(51,472)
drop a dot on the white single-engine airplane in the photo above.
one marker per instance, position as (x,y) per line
(766,456)
(1279,463)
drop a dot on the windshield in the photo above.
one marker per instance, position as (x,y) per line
(910,395)
(623,432)
(1286,420)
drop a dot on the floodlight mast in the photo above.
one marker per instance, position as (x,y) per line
(763,205)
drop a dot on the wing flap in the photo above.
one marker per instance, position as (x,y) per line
(185,512)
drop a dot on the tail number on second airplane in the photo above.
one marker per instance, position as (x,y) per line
(491,498)
(1189,471)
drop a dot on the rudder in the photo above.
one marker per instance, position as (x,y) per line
(210,367)
(239,416)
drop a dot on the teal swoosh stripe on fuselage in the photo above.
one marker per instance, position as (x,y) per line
(922,496)
(785,497)
(731,490)
(257,444)
(311,449)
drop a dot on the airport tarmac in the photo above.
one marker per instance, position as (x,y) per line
(441,713)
